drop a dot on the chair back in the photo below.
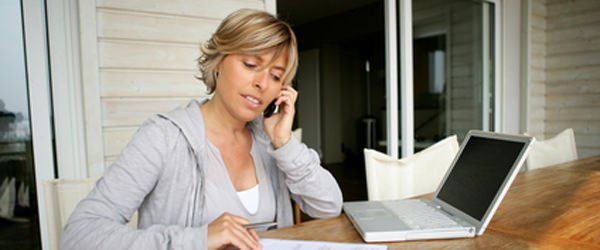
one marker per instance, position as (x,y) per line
(298,134)
(421,173)
(558,149)
(61,198)
(297,212)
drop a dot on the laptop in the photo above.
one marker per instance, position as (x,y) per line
(464,203)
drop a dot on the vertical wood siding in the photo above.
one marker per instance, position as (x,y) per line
(146,59)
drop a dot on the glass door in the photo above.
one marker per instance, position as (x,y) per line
(25,134)
(453,59)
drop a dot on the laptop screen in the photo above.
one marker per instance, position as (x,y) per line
(478,174)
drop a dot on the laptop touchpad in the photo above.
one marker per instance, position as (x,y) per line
(379,218)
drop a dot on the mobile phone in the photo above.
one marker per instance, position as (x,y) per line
(271,109)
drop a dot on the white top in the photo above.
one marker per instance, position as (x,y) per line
(257,204)
(249,198)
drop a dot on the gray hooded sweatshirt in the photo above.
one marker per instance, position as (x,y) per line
(161,173)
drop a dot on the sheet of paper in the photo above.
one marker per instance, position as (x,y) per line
(277,244)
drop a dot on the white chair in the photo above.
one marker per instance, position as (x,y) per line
(421,173)
(8,196)
(61,198)
(298,134)
(297,213)
(558,149)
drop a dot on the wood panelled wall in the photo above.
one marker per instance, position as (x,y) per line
(565,71)
(537,69)
(465,82)
(460,21)
(146,52)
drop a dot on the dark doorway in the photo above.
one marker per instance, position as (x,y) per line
(347,36)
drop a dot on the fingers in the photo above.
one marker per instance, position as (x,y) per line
(287,95)
(229,230)
(237,219)
(279,126)
(243,238)
(254,234)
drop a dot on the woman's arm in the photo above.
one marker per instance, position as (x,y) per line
(311,186)
(98,221)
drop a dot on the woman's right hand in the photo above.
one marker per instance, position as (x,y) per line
(229,230)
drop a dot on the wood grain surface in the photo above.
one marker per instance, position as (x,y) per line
(556,207)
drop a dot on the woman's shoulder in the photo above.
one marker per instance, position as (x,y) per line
(176,120)
(184,123)
(157,131)
(158,124)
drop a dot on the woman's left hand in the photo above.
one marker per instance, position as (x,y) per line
(279,125)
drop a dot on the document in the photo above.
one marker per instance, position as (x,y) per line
(277,244)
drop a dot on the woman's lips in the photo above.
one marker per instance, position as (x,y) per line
(253,101)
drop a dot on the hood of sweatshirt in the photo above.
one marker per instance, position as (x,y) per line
(191,124)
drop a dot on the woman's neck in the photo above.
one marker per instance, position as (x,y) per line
(219,121)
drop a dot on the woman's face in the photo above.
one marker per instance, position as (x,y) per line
(247,83)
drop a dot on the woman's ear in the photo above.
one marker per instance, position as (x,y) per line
(218,68)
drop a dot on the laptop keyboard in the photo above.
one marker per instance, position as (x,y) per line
(418,215)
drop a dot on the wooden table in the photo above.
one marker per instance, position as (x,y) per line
(556,207)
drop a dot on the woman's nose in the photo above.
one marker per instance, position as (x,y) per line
(261,79)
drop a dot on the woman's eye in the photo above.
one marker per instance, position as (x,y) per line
(276,77)
(250,65)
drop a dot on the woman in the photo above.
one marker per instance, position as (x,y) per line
(198,174)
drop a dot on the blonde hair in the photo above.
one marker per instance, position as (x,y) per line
(246,31)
